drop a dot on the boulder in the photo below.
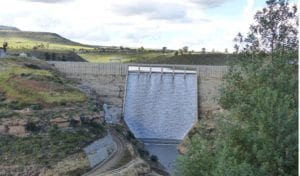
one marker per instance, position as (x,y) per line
(3,129)
(60,122)
(15,122)
(17,130)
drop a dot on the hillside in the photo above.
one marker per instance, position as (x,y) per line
(8,28)
(51,46)
(38,37)
(188,59)
(161,58)
(40,120)
(26,40)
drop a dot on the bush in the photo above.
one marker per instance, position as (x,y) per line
(154,158)
(63,103)
(32,127)
(2,97)
(143,152)
(25,74)
(6,114)
(15,105)
(130,135)
(36,107)
(33,66)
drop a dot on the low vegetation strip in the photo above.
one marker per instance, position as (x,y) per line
(31,84)
(44,119)
(161,58)
(43,149)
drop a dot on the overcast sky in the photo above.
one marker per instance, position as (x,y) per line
(134,23)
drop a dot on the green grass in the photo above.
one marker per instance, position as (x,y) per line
(104,58)
(45,150)
(23,41)
(160,58)
(31,86)
(114,57)
(189,59)
(20,41)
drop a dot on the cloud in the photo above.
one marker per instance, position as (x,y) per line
(135,23)
(50,1)
(208,4)
(153,10)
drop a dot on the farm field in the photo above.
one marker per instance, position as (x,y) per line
(159,58)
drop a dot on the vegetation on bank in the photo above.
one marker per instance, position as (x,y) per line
(160,58)
(32,95)
(50,46)
(25,41)
(23,82)
(46,148)
(258,134)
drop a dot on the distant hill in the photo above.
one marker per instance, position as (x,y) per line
(19,36)
(8,28)
(43,45)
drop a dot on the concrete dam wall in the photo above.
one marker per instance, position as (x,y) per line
(109,79)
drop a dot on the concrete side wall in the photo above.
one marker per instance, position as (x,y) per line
(109,80)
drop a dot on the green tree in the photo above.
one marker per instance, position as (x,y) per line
(259,133)
(164,49)
(274,30)
(5,45)
(176,53)
(185,49)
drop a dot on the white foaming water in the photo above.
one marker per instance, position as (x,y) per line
(160,106)
(161,109)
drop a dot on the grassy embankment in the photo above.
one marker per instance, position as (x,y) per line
(26,83)
(160,58)
(22,41)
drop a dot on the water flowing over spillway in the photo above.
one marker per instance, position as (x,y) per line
(160,106)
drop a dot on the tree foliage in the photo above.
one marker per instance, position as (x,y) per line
(274,30)
(259,133)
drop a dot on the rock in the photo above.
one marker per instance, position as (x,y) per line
(21,122)
(15,122)
(182,149)
(130,149)
(60,122)
(101,113)
(3,129)
(17,130)
(77,118)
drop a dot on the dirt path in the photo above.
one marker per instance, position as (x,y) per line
(114,159)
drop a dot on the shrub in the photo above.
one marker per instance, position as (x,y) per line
(15,105)
(33,66)
(6,114)
(154,158)
(2,97)
(25,74)
(130,135)
(143,152)
(36,107)
(32,127)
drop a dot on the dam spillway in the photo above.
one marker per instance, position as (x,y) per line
(109,80)
(160,106)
